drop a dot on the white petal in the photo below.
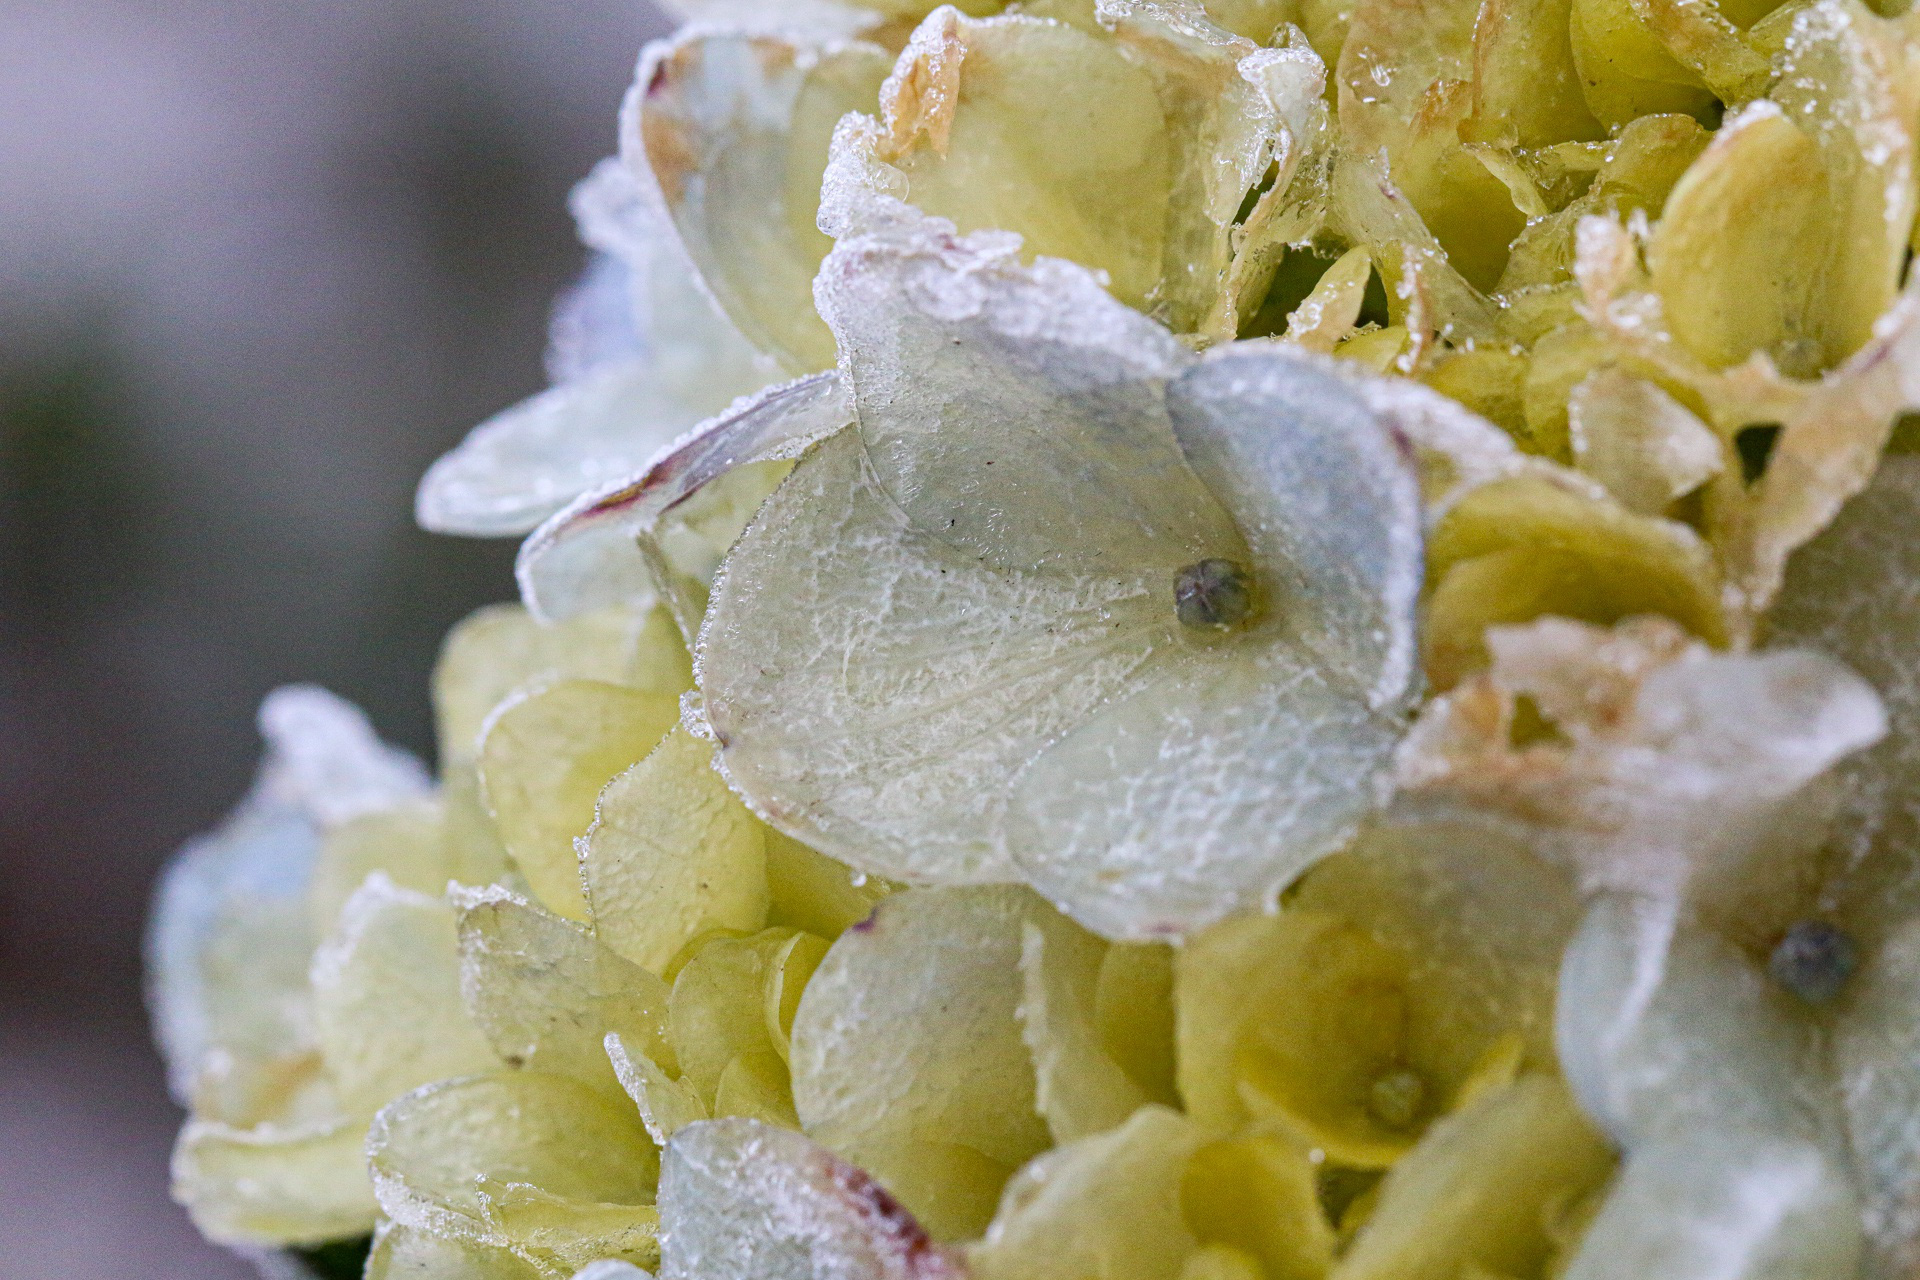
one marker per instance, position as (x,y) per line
(1876,1052)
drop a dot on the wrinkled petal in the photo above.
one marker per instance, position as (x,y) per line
(744,1199)
(666,1105)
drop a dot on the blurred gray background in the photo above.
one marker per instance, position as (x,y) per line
(260,261)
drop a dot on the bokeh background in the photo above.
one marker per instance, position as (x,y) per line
(260,261)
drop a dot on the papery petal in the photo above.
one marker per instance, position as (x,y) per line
(739,1199)
(907,1051)
(734,130)
(616,544)
(525,463)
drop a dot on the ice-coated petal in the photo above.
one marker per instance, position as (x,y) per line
(738,1198)
(1079,1087)
(438,1153)
(231,933)
(545,757)
(671,853)
(912,681)
(1727,1204)
(733,130)
(548,994)
(1664,1027)
(1477,1195)
(1105,1207)
(408,1253)
(1876,1060)
(1675,771)
(666,1105)
(907,1051)
(525,463)
(957,353)
(273,1184)
(1646,447)
(499,649)
(407,844)
(386,991)
(643,535)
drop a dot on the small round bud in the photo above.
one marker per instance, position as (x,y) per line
(1813,961)
(1213,595)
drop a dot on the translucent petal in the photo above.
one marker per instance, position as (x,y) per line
(1133,1011)
(548,994)
(1638,441)
(544,759)
(386,991)
(754,1085)
(407,1253)
(501,648)
(1259,1194)
(739,1198)
(1672,771)
(525,463)
(808,890)
(1078,1087)
(1106,1207)
(962,674)
(666,1105)
(1876,1059)
(433,1151)
(612,544)
(734,130)
(718,1010)
(956,351)
(1664,1027)
(974,132)
(1724,1203)
(907,1052)
(560,1236)
(274,1185)
(788,973)
(1480,1188)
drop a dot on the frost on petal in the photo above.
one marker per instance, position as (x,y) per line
(274,1184)
(980,130)
(907,1051)
(1138,822)
(1669,771)
(441,1155)
(1724,1203)
(408,1253)
(547,994)
(671,853)
(734,131)
(528,461)
(1850,593)
(544,758)
(386,990)
(957,353)
(1665,1027)
(1479,1194)
(1105,1207)
(665,530)
(912,681)
(231,934)
(1876,1058)
(666,1105)
(1079,1087)
(738,1198)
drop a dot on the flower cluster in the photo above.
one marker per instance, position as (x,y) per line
(1162,640)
